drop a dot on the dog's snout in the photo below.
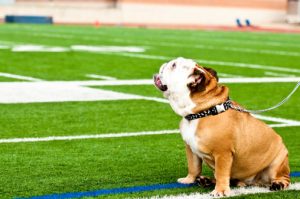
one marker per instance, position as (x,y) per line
(159,84)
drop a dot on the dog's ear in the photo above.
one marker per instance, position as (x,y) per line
(212,72)
(198,80)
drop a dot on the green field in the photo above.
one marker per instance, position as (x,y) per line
(40,168)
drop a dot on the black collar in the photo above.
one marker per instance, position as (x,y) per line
(215,110)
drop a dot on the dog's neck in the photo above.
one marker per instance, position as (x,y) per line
(213,95)
(181,103)
(185,102)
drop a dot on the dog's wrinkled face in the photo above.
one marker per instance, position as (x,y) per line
(181,75)
(178,79)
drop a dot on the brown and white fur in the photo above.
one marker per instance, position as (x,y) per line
(234,144)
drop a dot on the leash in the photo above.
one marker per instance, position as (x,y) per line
(267,109)
(220,108)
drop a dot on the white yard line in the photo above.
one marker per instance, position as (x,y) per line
(255,51)
(214,47)
(9,75)
(259,80)
(156,99)
(67,91)
(234,49)
(52,35)
(246,65)
(278,74)
(234,192)
(170,38)
(4,46)
(42,93)
(213,62)
(284,123)
(150,81)
(204,47)
(94,76)
(64,91)
(226,75)
(222,39)
(81,137)
(279,120)
(38,48)
(114,49)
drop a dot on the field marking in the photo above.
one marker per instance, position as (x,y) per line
(209,47)
(83,48)
(197,38)
(133,49)
(51,92)
(252,66)
(21,77)
(255,51)
(66,91)
(150,81)
(38,48)
(259,80)
(171,38)
(275,119)
(213,62)
(153,187)
(212,47)
(82,137)
(283,123)
(279,74)
(4,46)
(234,192)
(226,75)
(94,76)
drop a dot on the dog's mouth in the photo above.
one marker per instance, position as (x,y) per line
(159,84)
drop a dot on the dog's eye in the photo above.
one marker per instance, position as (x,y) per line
(173,65)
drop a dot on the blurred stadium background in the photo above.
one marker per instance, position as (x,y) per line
(178,13)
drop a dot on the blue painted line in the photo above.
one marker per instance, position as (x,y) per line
(121,190)
(111,191)
(295,174)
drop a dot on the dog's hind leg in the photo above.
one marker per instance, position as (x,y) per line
(278,172)
(280,175)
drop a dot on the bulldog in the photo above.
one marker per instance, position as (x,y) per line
(233,143)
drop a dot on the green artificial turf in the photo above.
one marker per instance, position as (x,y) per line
(68,166)
(30,169)
(79,118)
(6,79)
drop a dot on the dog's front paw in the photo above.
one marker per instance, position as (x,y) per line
(187,180)
(220,192)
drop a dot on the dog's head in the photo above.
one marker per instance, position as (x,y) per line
(185,83)
(183,75)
